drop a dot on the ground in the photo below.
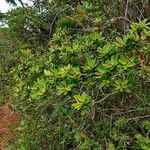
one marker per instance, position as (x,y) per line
(7,118)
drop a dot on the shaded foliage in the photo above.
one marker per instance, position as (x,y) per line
(81,75)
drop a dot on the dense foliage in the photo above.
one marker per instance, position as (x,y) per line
(7,49)
(80,78)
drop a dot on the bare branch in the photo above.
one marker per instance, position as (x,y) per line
(104,98)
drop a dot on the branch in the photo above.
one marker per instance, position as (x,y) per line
(140,117)
(107,95)
(121,18)
(52,25)
(126,13)
(22,4)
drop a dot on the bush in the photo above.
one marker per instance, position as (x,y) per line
(7,49)
(71,98)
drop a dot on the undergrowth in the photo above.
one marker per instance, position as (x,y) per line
(88,88)
(88,92)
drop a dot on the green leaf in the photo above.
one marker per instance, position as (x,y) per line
(96,36)
(63,89)
(38,89)
(106,50)
(111,146)
(119,42)
(47,73)
(122,86)
(111,63)
(89,64)
(82,101)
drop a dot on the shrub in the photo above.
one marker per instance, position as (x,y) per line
(65,95)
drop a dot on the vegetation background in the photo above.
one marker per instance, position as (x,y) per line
(77,73)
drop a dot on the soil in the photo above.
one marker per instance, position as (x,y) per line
(7,118)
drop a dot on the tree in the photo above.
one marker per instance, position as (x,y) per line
(13,2)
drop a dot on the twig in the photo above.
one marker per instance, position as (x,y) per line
(120,109)
(52,25)
(103,99)
(139,10)
(121,18)
(110,127)
(129,111)
(93,112)
(139,117)
(126,13)
(22,4)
